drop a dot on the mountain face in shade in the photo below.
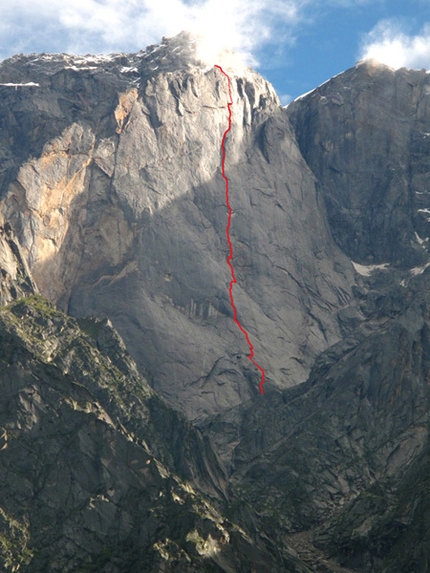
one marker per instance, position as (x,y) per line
(365,135)
(96,471)
(152,449)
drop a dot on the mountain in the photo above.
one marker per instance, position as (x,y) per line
(365,135)
(132,431)
(344,457)
(113,186)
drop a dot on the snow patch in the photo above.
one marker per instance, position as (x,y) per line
(127,70)
(318,87)
(305,94)
(367,270)
(27,85)
(76,60)
(80,68)
(89,59)
(419,270)
(419,240)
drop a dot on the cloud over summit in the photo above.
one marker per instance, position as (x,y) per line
(82,26)
(390,45)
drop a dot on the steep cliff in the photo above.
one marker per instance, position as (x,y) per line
(365,135)
(120,210)
(337,468)
(113,201)
(16,280)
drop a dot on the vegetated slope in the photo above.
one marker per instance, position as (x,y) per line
(81,488)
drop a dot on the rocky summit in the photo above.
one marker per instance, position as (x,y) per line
(132,433)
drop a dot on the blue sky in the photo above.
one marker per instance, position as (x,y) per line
(296,44)
(337,36)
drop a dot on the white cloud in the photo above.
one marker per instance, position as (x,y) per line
(388,44)
(285,99)
(82,26)
(104,26)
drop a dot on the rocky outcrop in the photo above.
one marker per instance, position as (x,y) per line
(15,277)
(120,211)
(113,200)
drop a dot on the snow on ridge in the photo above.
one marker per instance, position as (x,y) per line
(80,68)
(305,94)
(128,70)
(74,59)
(96,59)
(367,270)
(27,85)
(318,87)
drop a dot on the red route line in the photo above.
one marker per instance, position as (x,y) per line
(227,232)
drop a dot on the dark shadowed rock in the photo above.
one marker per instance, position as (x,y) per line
(81,488)
(342,451)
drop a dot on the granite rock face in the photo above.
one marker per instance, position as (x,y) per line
(337,468)
(118,202)
(16,280)
(114,207)
(365,135)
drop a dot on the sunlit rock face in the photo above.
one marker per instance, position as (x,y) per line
(15,277)
(337,467)
(111,179)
